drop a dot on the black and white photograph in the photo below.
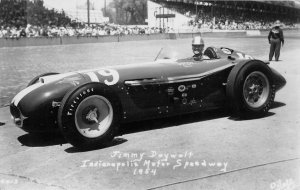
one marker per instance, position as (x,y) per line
(149,94)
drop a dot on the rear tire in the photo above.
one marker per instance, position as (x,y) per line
(89,116)
(210,52)
(250,88)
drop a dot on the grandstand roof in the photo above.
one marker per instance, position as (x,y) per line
(289,3)
(292,4)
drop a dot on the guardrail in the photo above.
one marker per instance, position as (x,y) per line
(44,41)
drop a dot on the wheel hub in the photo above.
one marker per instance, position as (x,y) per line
(254,92)
(92,115)
(256,89)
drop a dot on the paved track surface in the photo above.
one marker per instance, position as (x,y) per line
(207,150)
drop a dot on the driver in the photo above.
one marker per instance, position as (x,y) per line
(198,46)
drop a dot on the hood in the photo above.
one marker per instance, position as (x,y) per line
(46,90)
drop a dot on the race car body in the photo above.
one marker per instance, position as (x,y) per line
(88,106)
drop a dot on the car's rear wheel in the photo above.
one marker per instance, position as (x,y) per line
(250,88)
(210,52)
(256,89)
(36,79)
(89,116)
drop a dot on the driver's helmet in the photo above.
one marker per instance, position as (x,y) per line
(197,45)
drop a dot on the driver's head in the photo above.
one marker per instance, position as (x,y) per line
(197,45)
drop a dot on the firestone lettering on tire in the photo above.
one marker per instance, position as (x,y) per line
(85,92)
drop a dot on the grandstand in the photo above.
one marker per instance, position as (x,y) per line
(80,15)
(241,15)
(19,13)
(77,11)
(33,18)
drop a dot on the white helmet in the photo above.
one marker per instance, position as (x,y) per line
(197,40)
(197,45)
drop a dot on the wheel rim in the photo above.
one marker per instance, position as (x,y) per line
(93,116)
(256,89)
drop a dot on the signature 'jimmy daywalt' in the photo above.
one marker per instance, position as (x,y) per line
(152,154)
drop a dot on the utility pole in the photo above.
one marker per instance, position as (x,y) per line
(88,11)
(104,8)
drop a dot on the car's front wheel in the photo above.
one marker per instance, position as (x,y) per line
(250,88)
(89,116)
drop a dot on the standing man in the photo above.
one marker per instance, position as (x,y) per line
(276,39)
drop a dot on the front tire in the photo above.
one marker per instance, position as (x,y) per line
(89,116)
(250,88)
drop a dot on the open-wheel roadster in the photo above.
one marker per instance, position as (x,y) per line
(88,106)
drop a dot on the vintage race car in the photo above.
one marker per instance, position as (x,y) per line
(88,106)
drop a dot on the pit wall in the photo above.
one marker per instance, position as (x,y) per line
(45,41)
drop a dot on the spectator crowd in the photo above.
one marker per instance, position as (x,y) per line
(92,30)
(26,18)
(201,17)
(235,23)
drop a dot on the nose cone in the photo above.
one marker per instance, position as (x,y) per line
(48,89)
(16,115)
(32,109)
(38,100)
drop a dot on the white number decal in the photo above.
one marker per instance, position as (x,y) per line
(110,72)
(241,56)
